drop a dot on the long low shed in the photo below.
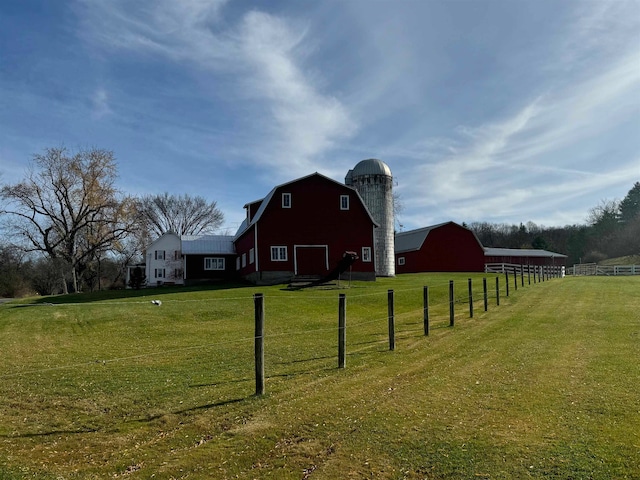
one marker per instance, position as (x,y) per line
(523,256)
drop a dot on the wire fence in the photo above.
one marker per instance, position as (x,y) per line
(297,335)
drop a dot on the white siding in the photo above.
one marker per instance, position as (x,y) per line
(170,244)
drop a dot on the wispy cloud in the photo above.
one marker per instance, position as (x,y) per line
(100,104)
(503,166)
(551,152)
(294,124)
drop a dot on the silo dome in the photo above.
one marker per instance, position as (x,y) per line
(371,166)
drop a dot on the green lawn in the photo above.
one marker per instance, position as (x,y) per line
(108,385)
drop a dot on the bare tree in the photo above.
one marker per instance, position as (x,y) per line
(181,214)
(68,207)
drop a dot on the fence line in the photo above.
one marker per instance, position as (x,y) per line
(260,335)
(547,271)
(607,270)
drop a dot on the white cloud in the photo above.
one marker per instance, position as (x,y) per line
(100,104)
(516,166)
(296,123)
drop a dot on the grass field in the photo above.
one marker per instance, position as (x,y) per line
(546,385)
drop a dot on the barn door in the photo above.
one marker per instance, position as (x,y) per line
(311,260)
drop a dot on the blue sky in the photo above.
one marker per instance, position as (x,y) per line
(489,110)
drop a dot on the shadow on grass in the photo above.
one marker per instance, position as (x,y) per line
(302,360)
(146,419)
(105,295)
(50,433)
(217,384)
(302,372)
(197,408)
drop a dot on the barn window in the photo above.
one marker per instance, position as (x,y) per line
(344,202)
(252,255)
(159,254)
(286,200)
(278,254)
(244,260)
(237,263)
(366,254)
(214,263)
(400,260)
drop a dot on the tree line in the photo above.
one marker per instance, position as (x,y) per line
(67,228)
(612,230)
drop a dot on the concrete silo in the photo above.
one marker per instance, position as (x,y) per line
(373,180)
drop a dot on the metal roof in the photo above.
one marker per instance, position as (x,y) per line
(413,239)
(520,252)
(371,166)
(207,244)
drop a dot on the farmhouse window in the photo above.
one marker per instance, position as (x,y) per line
(159,272)
(286,200)
(344,202)
(366,254)
(237,263)
(278,254)
(214,263)
(244,260)
(159,254)
(400,260)
(252,255)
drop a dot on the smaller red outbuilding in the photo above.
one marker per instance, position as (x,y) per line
(446,247)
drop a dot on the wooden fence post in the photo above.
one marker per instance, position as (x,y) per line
(529,274)
(486,297)
(506,282)
(392,321)
(522,275)
(470,299)
(497,291)
(515,279)
(451,306)
(342,330)
(425,300)
(258,300)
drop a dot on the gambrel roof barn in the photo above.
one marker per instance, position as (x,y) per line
(303,228)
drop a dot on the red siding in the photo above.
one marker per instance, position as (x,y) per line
(253,208)
(314,218)
(243,246)
(525,260)
(448,248)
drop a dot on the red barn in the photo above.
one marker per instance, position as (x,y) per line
(447,247)
(303,229)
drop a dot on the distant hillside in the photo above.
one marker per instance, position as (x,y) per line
(627,260)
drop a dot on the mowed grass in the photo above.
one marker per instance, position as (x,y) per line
(546,385)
